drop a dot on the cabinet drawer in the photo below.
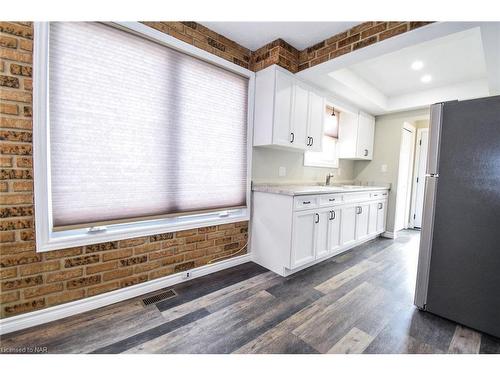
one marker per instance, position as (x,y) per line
(304,203)
(379,195)
(330,200)
(356,197)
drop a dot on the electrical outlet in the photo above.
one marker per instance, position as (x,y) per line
(187,274)
(282,171)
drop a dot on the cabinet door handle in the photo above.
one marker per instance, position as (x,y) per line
(366,152)
(331,199)
(317,218)
(292,137)
(306,202)
(312,141)
(308,141)
(333,215)
(380,205)
(360,209)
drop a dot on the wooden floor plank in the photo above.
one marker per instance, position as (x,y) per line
(324,329)
(219,295)
(465,341)
(351,273)
(194,337)
(148,335)
(354,342)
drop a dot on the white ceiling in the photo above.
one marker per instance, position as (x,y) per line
(449,60)
(462,58)
(254,35)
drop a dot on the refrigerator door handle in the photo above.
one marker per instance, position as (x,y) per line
(436,119)
(425,251)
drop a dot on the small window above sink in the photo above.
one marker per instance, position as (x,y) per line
(328,156)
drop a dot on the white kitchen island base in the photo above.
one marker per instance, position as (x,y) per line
(292,232)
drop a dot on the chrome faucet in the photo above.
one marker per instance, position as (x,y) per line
(328,178)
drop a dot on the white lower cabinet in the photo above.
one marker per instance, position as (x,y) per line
(381,215)
(334,219)
(322,234)
(348,225)
(362,217)
(304,233)
(289,235)
(373,216)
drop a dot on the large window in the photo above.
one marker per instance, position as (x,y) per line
(137,133)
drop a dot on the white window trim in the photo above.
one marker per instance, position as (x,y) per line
(46,238)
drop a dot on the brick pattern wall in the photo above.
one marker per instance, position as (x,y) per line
(30,280)
(206,39)
(277,52)
(359,36)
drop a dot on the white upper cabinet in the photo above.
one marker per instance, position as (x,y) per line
(356,135)
(288,112)
(316,121)
(282,112)
(300,114)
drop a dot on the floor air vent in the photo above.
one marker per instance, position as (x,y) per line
(160,296)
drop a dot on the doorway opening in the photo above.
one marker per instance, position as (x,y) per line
(419,170)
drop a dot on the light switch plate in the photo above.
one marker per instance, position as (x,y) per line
(282,171)
(383,168)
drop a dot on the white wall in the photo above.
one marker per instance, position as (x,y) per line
(386,152)
(266,163)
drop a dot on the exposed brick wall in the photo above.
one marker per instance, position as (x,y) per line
(278,52)
(30,280)
(359,36)
(206,39)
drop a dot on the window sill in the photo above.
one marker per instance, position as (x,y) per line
(81,237)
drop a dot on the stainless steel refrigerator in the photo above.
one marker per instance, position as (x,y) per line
(458,274)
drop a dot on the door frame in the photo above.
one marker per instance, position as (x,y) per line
(409,127)
(416,167)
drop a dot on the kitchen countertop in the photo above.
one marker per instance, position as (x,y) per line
(293,189)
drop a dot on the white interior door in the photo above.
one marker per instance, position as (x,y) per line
(403,194)
(419,179)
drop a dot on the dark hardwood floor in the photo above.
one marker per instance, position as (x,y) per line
(358,302)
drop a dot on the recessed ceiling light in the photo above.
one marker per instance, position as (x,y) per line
(426,78)
(417,65)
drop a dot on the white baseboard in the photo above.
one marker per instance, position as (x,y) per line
(49,314)
(392,235)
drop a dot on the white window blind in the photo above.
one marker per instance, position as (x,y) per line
(140,130)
